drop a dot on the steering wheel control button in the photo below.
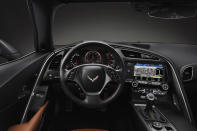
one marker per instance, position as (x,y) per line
(82,95)
(165,87)
(71,75)
(112,74)
(157,125)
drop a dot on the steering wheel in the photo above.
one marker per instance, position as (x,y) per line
(92,78)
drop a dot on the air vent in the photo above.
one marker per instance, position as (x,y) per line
(131,54)
(55,63)
(150,57)
(187,73)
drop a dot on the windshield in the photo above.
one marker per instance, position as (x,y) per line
(118,22)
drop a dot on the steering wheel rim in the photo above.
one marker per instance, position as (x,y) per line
(92,98)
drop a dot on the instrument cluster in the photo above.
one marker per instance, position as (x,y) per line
(93,56)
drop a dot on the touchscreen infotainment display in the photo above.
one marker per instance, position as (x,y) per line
(148,70)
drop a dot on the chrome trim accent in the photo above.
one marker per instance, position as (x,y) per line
(38,78)
(184,100)
(35,85)
(139,104)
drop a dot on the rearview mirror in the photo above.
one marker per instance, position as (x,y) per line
(172,12)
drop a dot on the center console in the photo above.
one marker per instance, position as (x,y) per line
(150,86)
(153,118)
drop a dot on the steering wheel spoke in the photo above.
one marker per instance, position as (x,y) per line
(93,99)
(70,75)
(112,75)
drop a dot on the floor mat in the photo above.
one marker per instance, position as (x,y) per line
(92,120)
(118,118)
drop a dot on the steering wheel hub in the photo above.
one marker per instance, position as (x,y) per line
(92,78)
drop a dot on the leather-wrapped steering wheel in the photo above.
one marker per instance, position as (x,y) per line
(92,78)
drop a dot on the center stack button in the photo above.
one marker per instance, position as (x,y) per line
(135,84)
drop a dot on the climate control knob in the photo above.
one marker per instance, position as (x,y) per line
(165,87)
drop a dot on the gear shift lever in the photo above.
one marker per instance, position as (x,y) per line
(150,101)
(149,111)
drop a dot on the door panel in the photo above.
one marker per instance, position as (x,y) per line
(16,81)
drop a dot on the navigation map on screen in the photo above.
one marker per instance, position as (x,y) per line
(148,70)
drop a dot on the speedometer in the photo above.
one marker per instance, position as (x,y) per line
(93,57)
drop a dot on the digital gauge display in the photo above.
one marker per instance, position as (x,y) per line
(149,71)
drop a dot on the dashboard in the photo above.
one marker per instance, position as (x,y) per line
(145,73)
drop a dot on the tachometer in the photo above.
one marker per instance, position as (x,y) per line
(93,57)
(75,59)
